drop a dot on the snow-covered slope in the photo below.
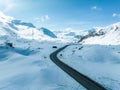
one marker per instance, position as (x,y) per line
(104,35)
(32,69)
(14,28)
(24,58)
(26,64)
(48,32)
(99,62)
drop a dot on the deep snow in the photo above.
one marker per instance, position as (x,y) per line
(99,62)
(27,66)
(31,69)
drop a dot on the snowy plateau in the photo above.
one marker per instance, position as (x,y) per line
(25,49)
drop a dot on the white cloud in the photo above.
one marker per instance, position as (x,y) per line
(47,17)
(116,15)
(43,18)
(96,8)
(68,29)
(6,5)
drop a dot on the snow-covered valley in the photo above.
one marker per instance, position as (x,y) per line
(99,62)
(25,50)
(31,69)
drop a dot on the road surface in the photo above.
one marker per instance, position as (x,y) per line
(80,78)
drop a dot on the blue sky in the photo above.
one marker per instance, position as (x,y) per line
(64,14)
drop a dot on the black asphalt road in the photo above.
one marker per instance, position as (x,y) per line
(80,78)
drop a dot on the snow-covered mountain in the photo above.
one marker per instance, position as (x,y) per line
(98,35)
(25,62)
(103,35)
(13,28)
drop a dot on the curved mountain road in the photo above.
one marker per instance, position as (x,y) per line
(80,78)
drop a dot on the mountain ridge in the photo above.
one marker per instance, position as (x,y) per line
(10,26)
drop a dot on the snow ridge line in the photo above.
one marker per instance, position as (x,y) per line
(88,83)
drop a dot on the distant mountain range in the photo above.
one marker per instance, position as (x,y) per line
(11,28)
